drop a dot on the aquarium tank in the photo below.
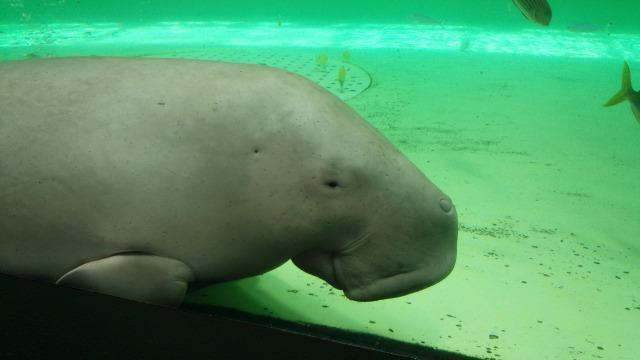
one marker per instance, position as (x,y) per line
(500,103)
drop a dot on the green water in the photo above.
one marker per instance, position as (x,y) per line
(504,115)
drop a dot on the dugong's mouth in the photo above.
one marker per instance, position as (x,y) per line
(330,267)
(389,287)
(321,264)
(327,266)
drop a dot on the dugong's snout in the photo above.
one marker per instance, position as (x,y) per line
(415,253)
(412,260)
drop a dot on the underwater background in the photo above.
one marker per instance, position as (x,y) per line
(505,115)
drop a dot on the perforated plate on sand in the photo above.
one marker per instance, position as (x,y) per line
(357,80)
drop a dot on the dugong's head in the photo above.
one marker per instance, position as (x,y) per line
(384,230)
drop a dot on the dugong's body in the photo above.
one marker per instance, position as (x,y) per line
(136,177)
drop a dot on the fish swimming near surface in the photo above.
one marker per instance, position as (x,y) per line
(589,28)
(627,93)
(423,19)
(537,11)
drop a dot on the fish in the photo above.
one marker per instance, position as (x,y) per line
(423,19)
(627,93)
(588,28)
(537,11)
(342,76)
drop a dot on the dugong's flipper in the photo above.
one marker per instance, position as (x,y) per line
(134,276)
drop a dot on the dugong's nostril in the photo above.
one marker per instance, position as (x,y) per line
(445,204)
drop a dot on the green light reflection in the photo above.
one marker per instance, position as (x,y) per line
(539,42)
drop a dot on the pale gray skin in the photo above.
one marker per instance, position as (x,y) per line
(136,177)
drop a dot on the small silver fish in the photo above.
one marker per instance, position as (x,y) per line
(589,28)
(537,11)
(627,93)
(424,19)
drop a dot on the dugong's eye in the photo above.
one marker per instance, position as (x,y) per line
(332,183)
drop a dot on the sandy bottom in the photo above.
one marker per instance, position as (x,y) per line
(546,182)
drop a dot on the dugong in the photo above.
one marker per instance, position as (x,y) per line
(139,178)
